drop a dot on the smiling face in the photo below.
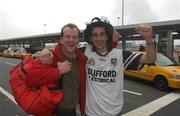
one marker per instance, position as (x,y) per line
(99,39)
(70,40)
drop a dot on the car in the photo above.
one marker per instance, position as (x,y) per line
(164,73)
(5,53)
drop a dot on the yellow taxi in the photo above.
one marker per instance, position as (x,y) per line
(164,73)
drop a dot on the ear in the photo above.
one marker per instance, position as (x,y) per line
(60,40)
(90,40)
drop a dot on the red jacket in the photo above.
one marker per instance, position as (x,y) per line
(39,74)
(39,101)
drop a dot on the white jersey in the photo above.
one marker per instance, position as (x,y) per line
(104,88)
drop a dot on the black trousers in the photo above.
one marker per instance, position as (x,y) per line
(71,112)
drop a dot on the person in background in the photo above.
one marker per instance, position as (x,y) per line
(141,48)
(115,40)
(115,36)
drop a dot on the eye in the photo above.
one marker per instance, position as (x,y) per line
(67,36)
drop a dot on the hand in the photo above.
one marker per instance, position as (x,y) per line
(144,30)
(115,36)
(64,67)
(46,56)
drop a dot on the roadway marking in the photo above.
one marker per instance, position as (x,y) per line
(154,106)
(10,97)
(145,110)
(127,91)
(11,63)
(7,95)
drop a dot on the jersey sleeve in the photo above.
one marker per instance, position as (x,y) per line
(131,60)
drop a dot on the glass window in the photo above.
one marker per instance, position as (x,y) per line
(164,60)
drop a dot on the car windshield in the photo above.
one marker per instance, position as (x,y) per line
(163,60)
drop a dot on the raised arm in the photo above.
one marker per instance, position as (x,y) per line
(146,32)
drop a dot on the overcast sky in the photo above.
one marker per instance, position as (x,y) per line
(19,18)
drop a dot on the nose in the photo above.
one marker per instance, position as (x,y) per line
(99,37)
(71,38)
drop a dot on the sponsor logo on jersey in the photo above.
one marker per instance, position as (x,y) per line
(102,76)
(114,61)
(91,61)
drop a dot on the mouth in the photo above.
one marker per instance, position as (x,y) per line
(99,42)
(72,46)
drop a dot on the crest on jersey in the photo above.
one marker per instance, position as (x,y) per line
(113,61)
(91,61)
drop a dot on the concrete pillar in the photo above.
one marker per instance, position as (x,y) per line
(170,45)
(123,43)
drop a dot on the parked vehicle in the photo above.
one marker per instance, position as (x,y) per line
(164,73)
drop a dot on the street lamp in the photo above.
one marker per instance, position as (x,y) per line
(45,28)
(122,12)
(118,20)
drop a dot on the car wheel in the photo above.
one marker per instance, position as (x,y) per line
(161,83)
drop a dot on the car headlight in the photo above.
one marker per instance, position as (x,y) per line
(176,76)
